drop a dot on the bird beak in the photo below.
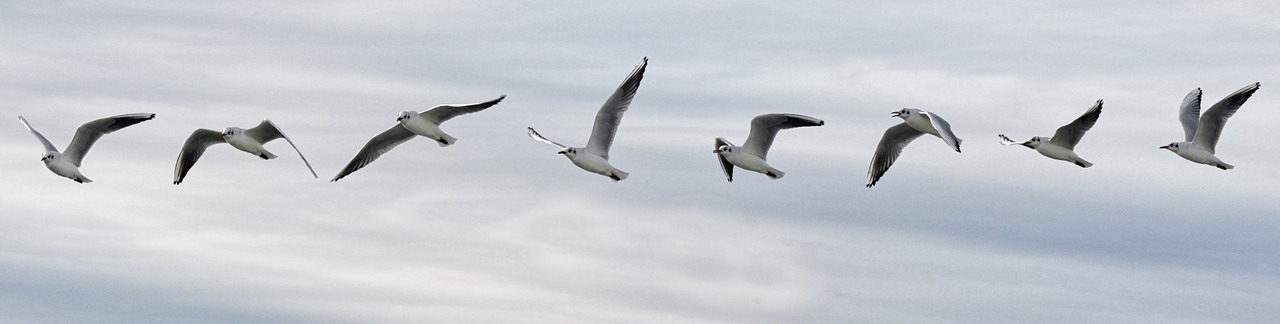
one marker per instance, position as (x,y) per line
(1165,147)
(895,114)
(715,151)
(561,152)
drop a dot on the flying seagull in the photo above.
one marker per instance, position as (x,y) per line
(916,122)
(595,156)
(1063,142)
(412,124)
(248,140)
(751,155)
(1203,131)
(68,164)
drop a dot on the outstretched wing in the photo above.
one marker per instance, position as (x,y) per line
(267,131)
(193,149)
(1006,141)
(48,147)
(534,134)
(610,114)
(1070,134)
(724,163)
(376,146)
(1212,121)
(1189,113)
(891,144)
(89,133)
(944,130)
(442,113)
(765,127)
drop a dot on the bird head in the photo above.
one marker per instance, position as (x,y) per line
(405,115)
(50,156)
(569,152)
(723,149)
(231,131)
(904,113)
(1035,142)
(1174,147)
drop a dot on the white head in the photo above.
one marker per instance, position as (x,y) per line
(1035,142)
(232,131)
(406,115)
(905,113)
(569,152)
(50,156)
(723,150)
(1175,146)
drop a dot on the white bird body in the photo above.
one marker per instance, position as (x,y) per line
(68,165)
(64,168)
(236,137)
(427,129)
(1203,131)
(594,157)
(1063,143)
(749,162)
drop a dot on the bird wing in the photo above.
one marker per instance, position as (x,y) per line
(267,131)
(724,163)
(1070,134)
(442,113)
(1189,113)
(895,138)
(765,127)
(48,147)
(610,114)
(376,146)
(944,130)
(1215,118)
(1006,141)
(193,149)
(89,133)
(534,134)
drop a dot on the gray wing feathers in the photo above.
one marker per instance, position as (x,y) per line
(944,130)
(724,163)
(192,150)
(891,144)
(610,114)
(1212,121)
(267,131)
(765,127)
(1189,113)
(48,147)
(89,133)
(376,146)
(1070,134)
(442,113)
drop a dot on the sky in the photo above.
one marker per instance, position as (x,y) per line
(497,228)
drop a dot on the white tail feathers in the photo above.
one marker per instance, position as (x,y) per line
(446,140)
(617,175)
(1082,163)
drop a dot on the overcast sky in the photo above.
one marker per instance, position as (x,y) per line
(499,228)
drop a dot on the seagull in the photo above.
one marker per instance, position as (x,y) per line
(1060,146)
(1203,131)
(916,122)
(595,156)
(412,124)
(68,164)
(248,140)
(751,155)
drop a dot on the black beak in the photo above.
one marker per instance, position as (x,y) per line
(1165,147)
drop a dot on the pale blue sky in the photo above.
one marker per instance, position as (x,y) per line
(499,228)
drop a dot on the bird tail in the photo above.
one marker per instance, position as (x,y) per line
(1225,166)
(82,179)
(618,175)
(266,155)
(1082,163)
(446,140)
(775,174)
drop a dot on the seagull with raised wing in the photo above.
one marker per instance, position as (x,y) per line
(67,163)
(1204,130)
(1063,143)
(595,156)
(412,124)
(751,155)
(248,140)
(916,122)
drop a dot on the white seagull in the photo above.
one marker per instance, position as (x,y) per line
(68,164)
(916,122)
(751,155)
(595,156)
(248,140)
(1203,131)
(1063,142)
(412,124)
